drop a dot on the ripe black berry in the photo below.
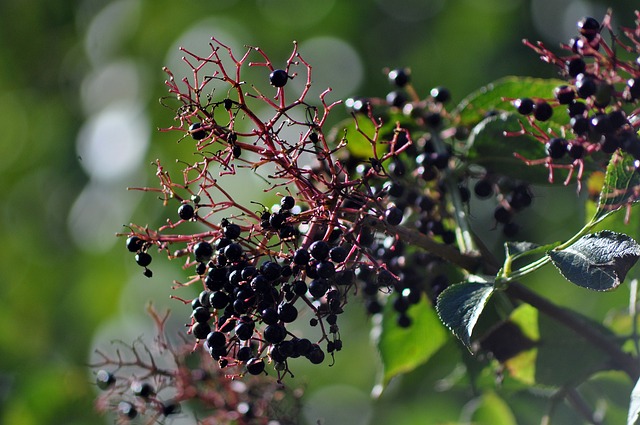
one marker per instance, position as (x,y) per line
(510,230)
(542,111)
(564,94)
(134,244)
(233,252)
(577,109)
(585,86)
(633,86)
(576,151)
(318,287)
(524,106)
(483,188)
(588,27)
(393,215)
(244,354)
(244,330)
(287,202)
(315,354)
(216,339)
(399,77)
(127,410)
(219,300)
(579,125)
(301,257)
(396,98)
(575,67)
(319,250)
(278,78)
(338,254)
(255,366)
(556,148)
(287,312)
(299,287)
(201,314)
(326,269)
(502,215)
(142,389)
(275,333)
(231,231)
(105,379)
(186,212)
(203,251)
(271,270)
(196,131)
(143,259)
(441,94)
(200,330)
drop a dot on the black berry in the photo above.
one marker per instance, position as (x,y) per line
(399,77)
(278,78)
(524,106)
(134,244)
(196,131)
(143,259)
(186,212)
(105,379)
(542,111)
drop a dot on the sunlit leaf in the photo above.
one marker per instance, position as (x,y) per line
(460,306)
(621,185)
(497,96)
(404,349)
(491,409)
(598,261)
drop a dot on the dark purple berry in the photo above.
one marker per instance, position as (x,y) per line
(399,77)
(393,215)
(564,94)
(633,86)
(315,354)
(143,259)
(524,106)
(203,251)
(104,379)
(585,86)
(588,27)
(127,410)
(440,94)
(575,67)
(186,212)
(287,312)
(134,244)
(287,202)
(579,125)
(200,330)
(232,231)
(278,78)
(142,389)
(576,109)
(502,214)
(338,254)
(275,333)
(301,257)
(319,250)
(542,111)
(318,287)
(196,131)
(556,148)
(396,99)
(233,252)
(255,366)
(483,188)
(576,151)
(511,229)
(216,339)
(201,314)
(326,269)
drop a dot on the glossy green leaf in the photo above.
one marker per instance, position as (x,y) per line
(459,307)
(621,184)
(404,349)
(498,95)
(598,261)
(489,147)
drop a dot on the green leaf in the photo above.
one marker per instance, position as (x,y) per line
(559,356)
(598,261)
(459,307)
(620,185)
(491,409)
(634,405)
(489,147)
(404,349)
(496,97)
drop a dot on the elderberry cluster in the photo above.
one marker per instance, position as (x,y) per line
(599,100)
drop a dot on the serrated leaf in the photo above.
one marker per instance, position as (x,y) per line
(621,183)
(459,307)
(496,97)
(404,349)
(634,405)
(598,261)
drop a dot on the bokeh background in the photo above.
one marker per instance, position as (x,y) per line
(79,87)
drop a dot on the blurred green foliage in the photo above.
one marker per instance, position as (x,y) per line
(56,292)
